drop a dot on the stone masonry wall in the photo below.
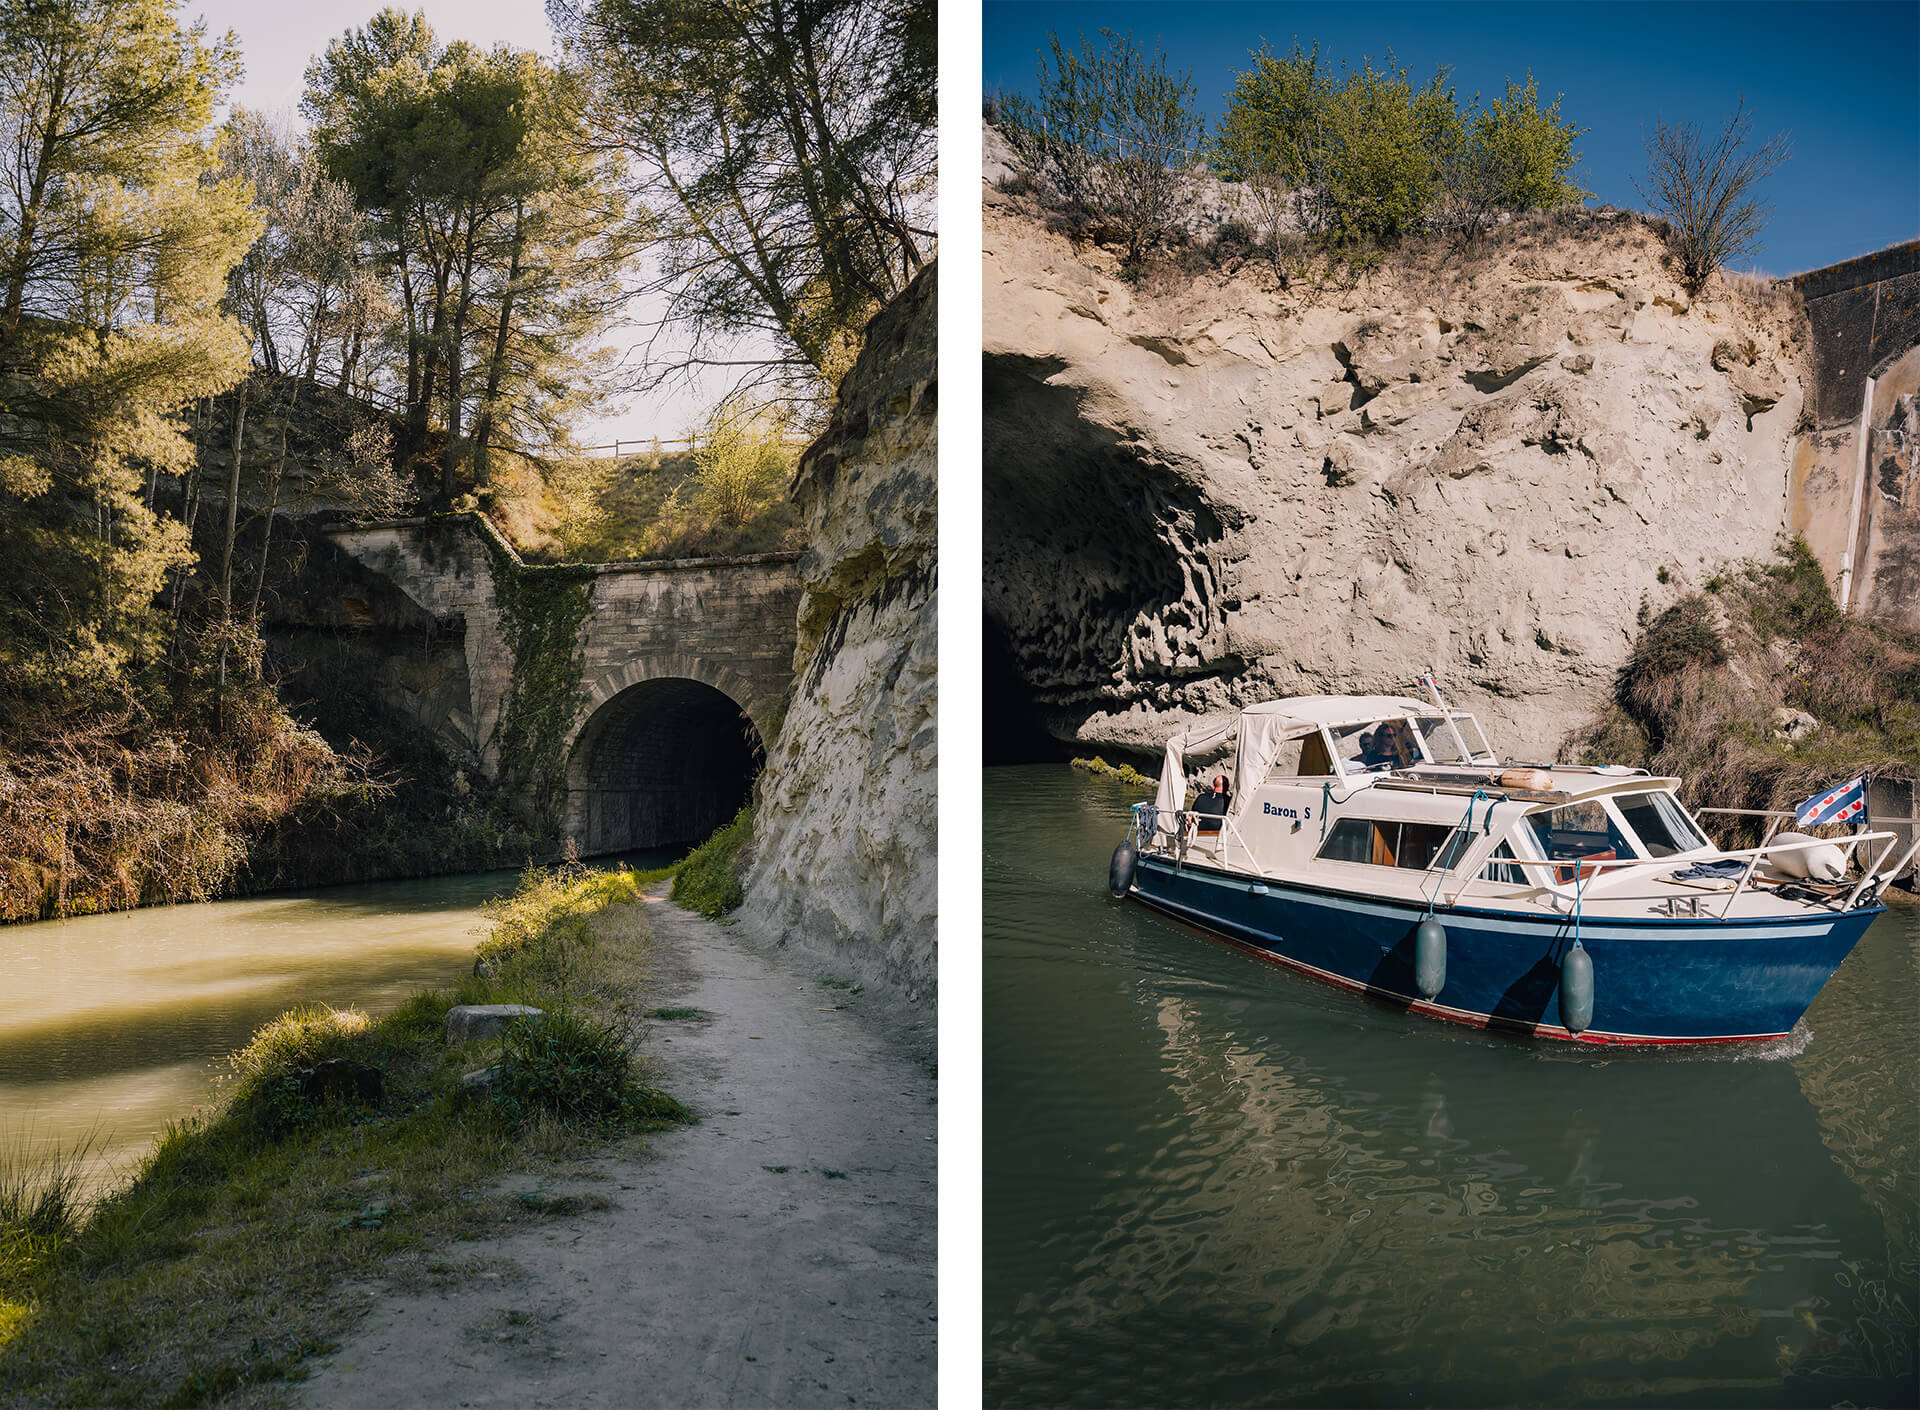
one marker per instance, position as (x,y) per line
(728,623)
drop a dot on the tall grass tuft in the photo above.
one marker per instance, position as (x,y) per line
(708,881)
(42,1208)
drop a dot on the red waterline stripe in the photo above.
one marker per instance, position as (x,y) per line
(1432,1010)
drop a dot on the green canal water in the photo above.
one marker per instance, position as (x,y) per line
(111,1026)
(1210,1181)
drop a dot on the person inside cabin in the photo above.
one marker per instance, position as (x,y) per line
(1375,749)
(1212,805)
(1395,742)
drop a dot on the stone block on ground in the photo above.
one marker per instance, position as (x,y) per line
(466,1023)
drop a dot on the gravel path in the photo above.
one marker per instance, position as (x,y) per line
(781,1252)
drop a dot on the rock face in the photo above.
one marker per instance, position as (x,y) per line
(844,833)
(1216,488)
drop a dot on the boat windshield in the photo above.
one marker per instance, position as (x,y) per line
(1442,745)
(1579,832)
(1387,745)
(1660,823)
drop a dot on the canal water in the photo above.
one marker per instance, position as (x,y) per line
(1211,1181)
(111,1026)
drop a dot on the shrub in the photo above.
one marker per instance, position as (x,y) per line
(742,462)
(1370,157)
(1115,133)
(708,881)
(575,1070)
(1704,186)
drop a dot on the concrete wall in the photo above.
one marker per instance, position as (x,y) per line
(1858,505)
(727,623)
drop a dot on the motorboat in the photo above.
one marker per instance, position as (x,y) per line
(1378,843)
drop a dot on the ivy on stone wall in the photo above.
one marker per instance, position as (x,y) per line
(541,612)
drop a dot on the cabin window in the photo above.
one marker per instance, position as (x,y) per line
(1504,868)
(1408,845)
(1579,832)
(1314,762)
(1660,823)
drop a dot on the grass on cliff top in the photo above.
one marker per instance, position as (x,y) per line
(1697,696)
(598,509)
(221,1266)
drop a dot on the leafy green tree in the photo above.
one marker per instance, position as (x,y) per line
(1377,154)
(1270,135)
(499,236)
(742,462)
(1115,132)
(1514,156)
(119,240)
(782,152)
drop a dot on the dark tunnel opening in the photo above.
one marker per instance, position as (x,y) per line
(662,764)
(1013,727)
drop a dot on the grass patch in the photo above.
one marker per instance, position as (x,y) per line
(708,881)
(1125,773)
(249,1213)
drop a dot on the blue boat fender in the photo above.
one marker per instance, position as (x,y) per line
(1576,989)
(1120,871)
(1430,957)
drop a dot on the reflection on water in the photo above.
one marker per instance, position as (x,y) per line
(1211,1181)
(112,1025)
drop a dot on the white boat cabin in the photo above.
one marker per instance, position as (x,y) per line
(1394,797)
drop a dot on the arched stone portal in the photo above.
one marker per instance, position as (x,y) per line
(662,763)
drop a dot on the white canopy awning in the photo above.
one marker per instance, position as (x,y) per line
(1258,732)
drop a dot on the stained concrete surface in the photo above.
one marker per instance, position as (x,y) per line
(781,1252)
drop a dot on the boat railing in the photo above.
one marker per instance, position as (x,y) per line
(1875,872)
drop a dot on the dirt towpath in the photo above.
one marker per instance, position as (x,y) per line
(781,1252)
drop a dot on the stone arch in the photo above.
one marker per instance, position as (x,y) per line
(660,762)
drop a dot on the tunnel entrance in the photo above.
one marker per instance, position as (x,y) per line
(661,764)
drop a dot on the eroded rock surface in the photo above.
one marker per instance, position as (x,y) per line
(1216,488)
(844,837)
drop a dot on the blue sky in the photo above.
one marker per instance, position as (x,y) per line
(1843,78)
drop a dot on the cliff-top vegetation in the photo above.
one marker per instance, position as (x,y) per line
(1339,163)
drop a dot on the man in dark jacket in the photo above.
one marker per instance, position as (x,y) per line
(1212,806)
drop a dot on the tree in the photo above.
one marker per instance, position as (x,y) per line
(118,236)
(1116,134)
(742,462)
(498,236)
(299,287)
(783,153)
(1705,187)
(1269,136)
(1377,152)
(1514,156)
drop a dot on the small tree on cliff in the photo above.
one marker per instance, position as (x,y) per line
(1515,156)
(1115,133)
(742,462)
(1705,187)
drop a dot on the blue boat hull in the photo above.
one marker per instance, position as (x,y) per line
(1654,980)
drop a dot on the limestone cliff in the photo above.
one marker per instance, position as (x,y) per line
(844,837)
(1220,486)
